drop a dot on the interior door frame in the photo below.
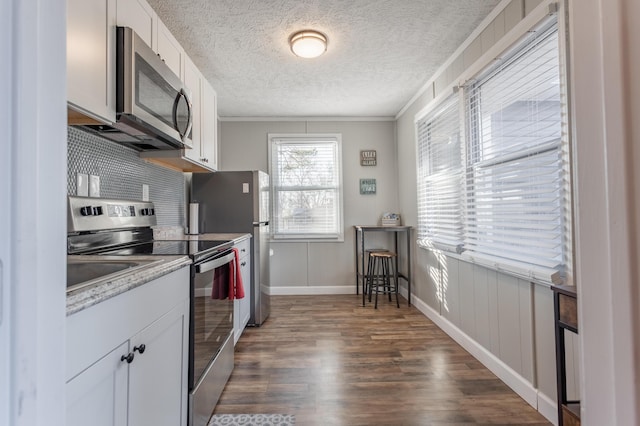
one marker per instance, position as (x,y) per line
(33,193)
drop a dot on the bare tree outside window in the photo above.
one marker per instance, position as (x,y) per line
(306,187)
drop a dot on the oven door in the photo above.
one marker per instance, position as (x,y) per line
(211,313)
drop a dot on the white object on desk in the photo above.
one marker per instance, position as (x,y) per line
(390,219)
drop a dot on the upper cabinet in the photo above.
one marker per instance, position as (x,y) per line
(91,85)
(202,157)
(209,142)
(138,15)
(193,80)
(170,50)
(91,79)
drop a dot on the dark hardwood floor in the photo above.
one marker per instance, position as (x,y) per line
(329,361)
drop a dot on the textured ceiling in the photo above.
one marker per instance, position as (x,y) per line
(380,52)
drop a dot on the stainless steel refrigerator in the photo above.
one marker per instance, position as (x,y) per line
(231,202)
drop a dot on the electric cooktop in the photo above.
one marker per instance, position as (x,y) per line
(173,247)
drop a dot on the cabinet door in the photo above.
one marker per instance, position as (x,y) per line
(138,15)
(91,57)
(158,374)
(193,80)
(209,146)
(170,50)
(245,303)
(98,395)
(242,307)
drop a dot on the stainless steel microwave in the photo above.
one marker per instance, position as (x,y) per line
(153,106)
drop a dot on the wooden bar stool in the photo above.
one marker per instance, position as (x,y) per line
(381,274)
(369,271)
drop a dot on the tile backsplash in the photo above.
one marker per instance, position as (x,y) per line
(122,173)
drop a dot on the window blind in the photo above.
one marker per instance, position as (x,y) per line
(440,177)
(306,187)
(515,195)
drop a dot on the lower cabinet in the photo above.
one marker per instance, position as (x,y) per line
(141,379)
(241,307)
(98,396)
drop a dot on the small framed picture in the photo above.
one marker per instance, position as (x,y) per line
(368,158)
(367,186)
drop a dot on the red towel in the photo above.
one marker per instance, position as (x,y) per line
(220,285)
(236,289)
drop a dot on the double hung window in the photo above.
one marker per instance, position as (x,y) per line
(440,167)
(306,185)
(512,172)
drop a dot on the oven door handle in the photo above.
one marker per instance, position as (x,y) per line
(215,263)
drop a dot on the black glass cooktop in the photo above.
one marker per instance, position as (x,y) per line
(179,248)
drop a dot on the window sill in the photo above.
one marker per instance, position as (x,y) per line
(488,265)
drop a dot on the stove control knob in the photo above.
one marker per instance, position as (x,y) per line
(152,212)
(144,212)
(97,211)
(86,211)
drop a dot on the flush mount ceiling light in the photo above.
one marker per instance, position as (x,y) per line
(308,43)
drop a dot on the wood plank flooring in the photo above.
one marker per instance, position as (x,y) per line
(330,361)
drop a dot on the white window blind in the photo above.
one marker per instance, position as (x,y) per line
(440,177)
(306,174)
(515,196)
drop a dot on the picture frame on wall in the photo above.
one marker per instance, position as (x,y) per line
(368,157)
(367,186)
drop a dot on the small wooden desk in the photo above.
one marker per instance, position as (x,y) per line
(361,230)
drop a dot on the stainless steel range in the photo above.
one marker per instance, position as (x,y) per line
(123,228)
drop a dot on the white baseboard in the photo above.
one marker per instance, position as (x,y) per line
(312,290)
(505,373)
(548,407)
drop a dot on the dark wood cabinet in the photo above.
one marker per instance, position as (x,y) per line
(565,304)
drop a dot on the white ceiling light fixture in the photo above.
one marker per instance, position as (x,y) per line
(308,43)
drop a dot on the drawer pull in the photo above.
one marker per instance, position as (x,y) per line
(129,357)
(140,348)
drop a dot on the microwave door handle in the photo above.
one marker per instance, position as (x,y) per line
(183,94)
(215,263)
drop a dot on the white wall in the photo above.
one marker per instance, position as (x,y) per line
(324,267)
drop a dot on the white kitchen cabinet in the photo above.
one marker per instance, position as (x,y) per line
(138,15)
(209,124)
(241,307)
(203,155)
(91,36)
(156,394)
(170,51)
(205,118)
(103,388)
(98,396)
(193,80)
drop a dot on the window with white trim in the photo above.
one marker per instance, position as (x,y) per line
(512,188)
(306,186)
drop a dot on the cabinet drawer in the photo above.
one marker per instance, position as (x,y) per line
(568,310)
(244,247)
